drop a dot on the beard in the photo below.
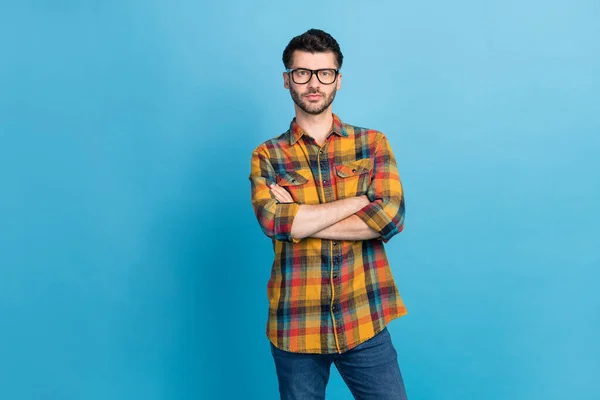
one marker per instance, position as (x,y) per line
(312,108)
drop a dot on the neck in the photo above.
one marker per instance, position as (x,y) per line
(317,126)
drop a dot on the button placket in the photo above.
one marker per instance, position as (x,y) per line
(323,164)
(334,256)
(337,261)
(337,287)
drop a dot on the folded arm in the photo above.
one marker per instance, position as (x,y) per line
(289,221)
(351,228)
(383,215)
(379,214)
(312,219)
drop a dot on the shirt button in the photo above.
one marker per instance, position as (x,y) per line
(334,243)
(324,180)
(335,276)
(333,308)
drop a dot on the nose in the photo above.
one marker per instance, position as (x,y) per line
(313,82)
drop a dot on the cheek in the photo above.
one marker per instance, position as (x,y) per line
(296,92)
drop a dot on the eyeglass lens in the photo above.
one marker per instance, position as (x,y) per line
(325,76)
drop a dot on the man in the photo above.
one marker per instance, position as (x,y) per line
(329,195)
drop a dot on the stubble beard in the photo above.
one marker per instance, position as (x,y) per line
(310,108)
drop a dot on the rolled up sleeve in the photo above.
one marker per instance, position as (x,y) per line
(385,213)
(275,219)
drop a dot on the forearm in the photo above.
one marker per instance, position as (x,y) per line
(314,218)
(351,228)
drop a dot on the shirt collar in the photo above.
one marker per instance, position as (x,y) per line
(296,132)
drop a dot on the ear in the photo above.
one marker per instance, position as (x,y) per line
(286,80)
(339,82)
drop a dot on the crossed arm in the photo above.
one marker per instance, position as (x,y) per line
(379,214)
(335,220)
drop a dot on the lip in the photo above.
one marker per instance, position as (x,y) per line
(313,96)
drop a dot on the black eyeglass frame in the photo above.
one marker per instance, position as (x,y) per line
(313,72)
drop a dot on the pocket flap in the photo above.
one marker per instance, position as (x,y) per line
(293,178)
(354,168)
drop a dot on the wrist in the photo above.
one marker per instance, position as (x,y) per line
(360,202)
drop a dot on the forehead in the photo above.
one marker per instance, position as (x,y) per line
(303,59)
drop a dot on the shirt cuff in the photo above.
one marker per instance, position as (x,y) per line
(374,216)
(284,218)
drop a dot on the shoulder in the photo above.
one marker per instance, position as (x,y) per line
(359,132)
(273,144)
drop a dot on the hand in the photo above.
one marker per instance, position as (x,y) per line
(282,195)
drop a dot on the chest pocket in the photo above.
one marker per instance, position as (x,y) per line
(357,167)
(294,178)
(299,184)
(353,178)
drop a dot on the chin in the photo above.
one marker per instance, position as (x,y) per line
(316,109)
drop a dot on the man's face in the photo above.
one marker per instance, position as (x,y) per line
(312,97)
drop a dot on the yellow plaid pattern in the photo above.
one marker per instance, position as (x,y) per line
(328,296)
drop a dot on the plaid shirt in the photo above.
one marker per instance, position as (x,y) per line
(328,296)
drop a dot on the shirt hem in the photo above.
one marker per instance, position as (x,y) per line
(345,349)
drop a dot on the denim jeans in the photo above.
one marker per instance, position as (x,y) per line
(370,370)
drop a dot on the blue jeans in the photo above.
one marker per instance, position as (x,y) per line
(370,370)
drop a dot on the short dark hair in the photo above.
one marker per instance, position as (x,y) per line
(313,41)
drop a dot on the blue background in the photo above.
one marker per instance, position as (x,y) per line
(131,264)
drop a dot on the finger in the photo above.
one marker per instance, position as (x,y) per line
(277,193)
(278,189)
(282,194)
(278,196)
(282,197)
(287,196)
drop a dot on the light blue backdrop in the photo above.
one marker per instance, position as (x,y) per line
(131,265)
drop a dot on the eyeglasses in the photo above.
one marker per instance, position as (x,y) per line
(303,75)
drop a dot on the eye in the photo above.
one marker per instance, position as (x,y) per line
(302,72)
